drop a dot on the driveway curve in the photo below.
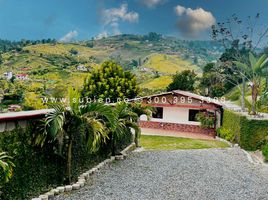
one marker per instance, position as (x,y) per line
(206,174)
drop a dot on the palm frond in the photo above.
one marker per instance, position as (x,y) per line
(259,63)
(55,120)
(252,59)
(98,110)
(6,165)
(264,64)
(96,129)
(74,97)
(243,66)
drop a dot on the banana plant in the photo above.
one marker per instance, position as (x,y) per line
(254,71)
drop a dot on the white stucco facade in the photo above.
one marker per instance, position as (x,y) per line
(174,115)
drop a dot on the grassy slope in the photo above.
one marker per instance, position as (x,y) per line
(157,83)
(173,143)
(168,64)
(63,49)
(38,58)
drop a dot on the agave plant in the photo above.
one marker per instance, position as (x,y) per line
(63,123)
(6,166)
(254,71)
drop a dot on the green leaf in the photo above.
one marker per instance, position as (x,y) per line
(241,65)
(252,59)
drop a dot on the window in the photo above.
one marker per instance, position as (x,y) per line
(158,113)
(192,115)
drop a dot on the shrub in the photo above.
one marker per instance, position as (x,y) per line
(248,133)
(205,119)
(265,151)
(39,169)
(226,134)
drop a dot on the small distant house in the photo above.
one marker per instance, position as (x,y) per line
(145,69)
(8,75)
(82,68)
(177,111)
(22,77)
(14,108)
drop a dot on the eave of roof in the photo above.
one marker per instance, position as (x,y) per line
(23,114)
(183,93)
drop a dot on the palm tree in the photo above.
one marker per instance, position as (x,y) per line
(6,166)
(63,123)
(254,71)
(140,110)
(125,119)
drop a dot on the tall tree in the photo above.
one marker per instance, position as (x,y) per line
(184,80)
(110,82)
(212,84)
(238,36)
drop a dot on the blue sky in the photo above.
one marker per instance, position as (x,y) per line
(83,19)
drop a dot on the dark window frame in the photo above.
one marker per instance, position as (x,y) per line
(158,114)
(192,115)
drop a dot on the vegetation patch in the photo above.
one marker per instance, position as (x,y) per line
(168,63)
(173,143)
(250,134)
(157,83)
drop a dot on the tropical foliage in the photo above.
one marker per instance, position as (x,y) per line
(110,82)
(184,80)
(254,72)
(6,167)
(62,124)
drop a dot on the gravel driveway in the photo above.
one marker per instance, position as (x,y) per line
(182,174)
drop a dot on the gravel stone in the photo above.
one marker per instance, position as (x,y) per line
(209,174)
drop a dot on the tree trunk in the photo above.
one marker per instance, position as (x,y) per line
(266,83)
(136,139)
(254,95)
(243,94)
(69,161)
(113,145)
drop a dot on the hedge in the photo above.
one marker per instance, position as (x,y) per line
(39,169)
(250,134)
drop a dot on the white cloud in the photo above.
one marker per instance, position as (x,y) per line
(152,3)
(69,36)
(192,22)
(113,16)
(103,34)
(180,10)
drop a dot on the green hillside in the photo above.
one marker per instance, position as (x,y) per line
(52,67)
(168,64)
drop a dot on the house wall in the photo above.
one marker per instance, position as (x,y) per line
(175,115)
(177,127)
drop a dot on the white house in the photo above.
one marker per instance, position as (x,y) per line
(8,75)
(82,68)
(177,111)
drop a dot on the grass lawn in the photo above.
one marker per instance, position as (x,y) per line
(173,143)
